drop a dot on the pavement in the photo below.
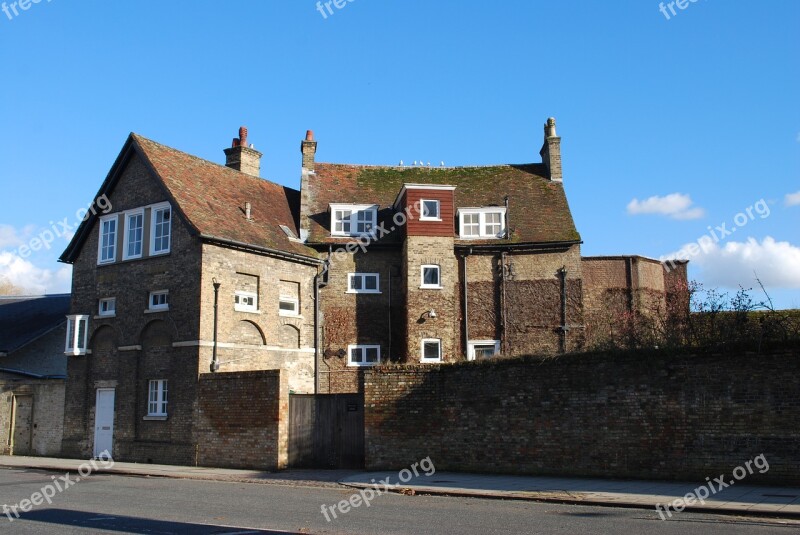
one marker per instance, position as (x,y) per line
(738,499)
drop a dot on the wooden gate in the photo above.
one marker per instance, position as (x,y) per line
(326,431)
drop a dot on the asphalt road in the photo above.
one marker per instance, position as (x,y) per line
(119,504)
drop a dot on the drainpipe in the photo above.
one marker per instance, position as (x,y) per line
(466,303)
(503,341)
(564,327)
(320,281)
(214,359)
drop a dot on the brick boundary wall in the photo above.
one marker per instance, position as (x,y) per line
(649,416)
(242,420)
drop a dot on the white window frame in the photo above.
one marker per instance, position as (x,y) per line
(127,237)
(482,212)
(160,307)
(154,211)
(354,209)
(101,234)
(362,276)
(422,349)
(422,277)
(472,343)
(423,217)
(287,299)
(160,388)
(76,344)
(244,307)
(363,349)
(110,311)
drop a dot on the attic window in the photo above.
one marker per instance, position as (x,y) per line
(482,223)
(353,219)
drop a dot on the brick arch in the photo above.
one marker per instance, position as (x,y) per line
(156,334)
(289,336)
(104,338)
(248,333)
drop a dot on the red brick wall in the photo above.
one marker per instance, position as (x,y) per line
(652,416)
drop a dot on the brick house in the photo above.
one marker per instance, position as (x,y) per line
(198,268)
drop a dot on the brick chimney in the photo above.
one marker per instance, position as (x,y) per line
(308,147)
(551,151)
(241,157)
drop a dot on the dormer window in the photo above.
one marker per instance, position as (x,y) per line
(482,223)
(353,219)
(430,210)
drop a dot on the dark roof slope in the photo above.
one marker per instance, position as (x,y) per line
(538,210)
(24,319)
(211,197)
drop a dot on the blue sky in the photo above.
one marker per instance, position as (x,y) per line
(670,127)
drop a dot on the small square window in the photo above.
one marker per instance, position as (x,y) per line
(366,283)
(159,300)
(431,350)
(245,302)
(431,277)
(157,400)
(363,355)
(288,306)
(107,307)
(483,349)
(430,210)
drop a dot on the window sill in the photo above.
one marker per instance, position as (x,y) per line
(296,316)
(430,219)
(155,418)
(246,311)
(104,317)
(424,361)
(155,310)
(370,365)
(431,287)
(363,292)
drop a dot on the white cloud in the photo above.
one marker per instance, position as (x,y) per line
(31,278)
(11,237)
(776,263)
(674,205)
(793,199)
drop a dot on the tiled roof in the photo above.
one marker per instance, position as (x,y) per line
(24,319)
(538,210)
(212,198)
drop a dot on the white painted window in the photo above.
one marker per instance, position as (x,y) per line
(134,235)
(107,248)
(107,307)
(483,349)
(245,301)
(353,219)
(431,277)
(288,306)
(159,300)
(430,210)
(157,399)
(364,283)
(485,223)
(77,335)
(431,350)
(160,229)
(363,355)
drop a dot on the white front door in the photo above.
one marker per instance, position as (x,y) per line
(104,422)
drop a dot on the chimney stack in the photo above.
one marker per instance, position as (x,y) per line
(551,151)
(241,157)
(309,149)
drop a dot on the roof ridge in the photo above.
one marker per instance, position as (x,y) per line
(431,168)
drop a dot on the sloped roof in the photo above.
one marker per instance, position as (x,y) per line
(538,210)
(211,199)
(24,319)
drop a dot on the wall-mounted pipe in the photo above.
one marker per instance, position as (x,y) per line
(214,359)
